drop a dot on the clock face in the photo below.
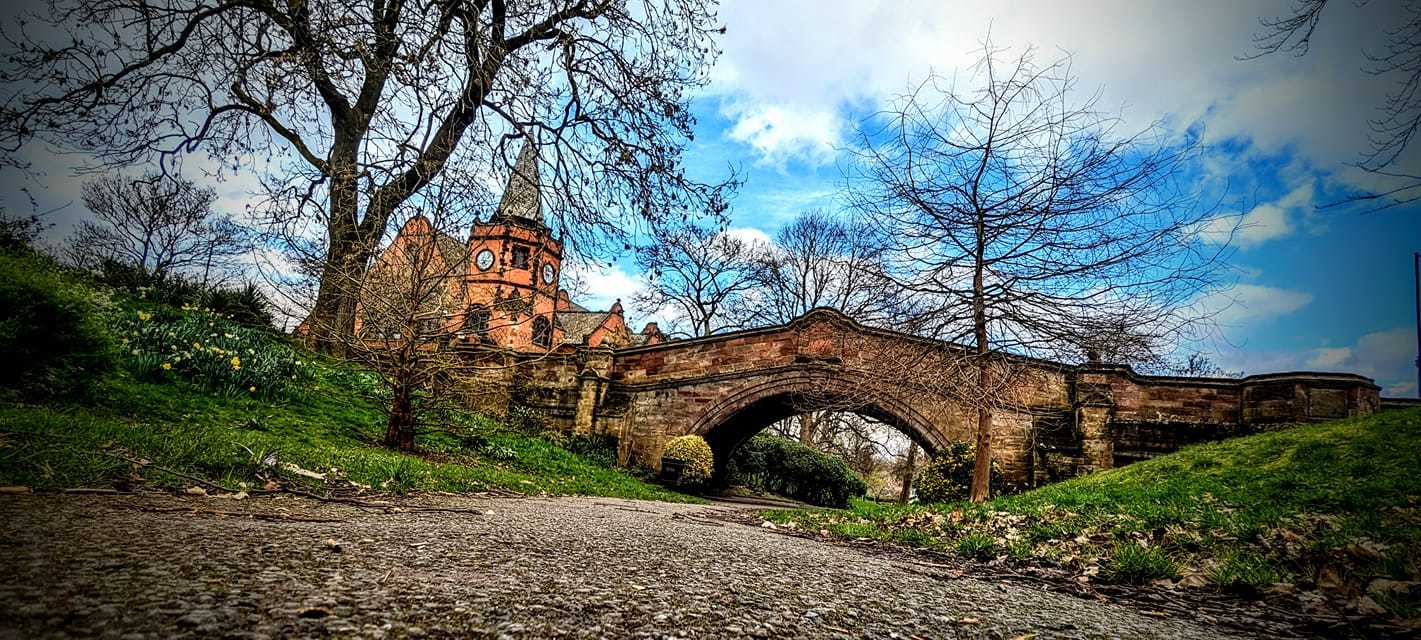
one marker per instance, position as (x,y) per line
(548,274)
(484,260)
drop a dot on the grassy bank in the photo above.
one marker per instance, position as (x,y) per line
(201,395)
(234,441)
(1331,509)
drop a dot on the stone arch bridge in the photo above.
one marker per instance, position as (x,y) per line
(1065,419)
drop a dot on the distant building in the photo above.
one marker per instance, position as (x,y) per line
(501,286)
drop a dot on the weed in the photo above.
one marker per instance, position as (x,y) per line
(1137,564)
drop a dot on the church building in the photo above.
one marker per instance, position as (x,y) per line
(501,287)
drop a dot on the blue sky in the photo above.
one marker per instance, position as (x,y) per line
(1319,288)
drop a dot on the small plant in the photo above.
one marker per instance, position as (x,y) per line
(948,477)
(695,457)
(976,545)
(1137,564)
(1244,572)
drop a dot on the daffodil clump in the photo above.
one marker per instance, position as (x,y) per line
(208,349)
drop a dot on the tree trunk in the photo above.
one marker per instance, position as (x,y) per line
(808,424)
(332,320)
(908,471)
(982,468)
(399,432)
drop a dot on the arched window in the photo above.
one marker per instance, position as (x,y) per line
(476,319)
(542,332)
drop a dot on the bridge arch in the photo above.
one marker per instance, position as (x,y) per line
(741,414)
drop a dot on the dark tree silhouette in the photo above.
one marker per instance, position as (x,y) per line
(704,276)
(159,224)
(351,107)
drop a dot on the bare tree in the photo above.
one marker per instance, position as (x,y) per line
(703,276)
(1398,55)
(350,108)
(821,261)
(159,224)
(408,302)
(1028,223)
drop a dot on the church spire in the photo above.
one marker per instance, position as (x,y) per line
(521,199)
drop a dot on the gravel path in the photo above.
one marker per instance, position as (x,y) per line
(157,566)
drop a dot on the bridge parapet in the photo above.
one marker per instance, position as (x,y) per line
(1064,419)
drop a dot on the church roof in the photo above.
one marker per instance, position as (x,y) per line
(577,325)
(521,198)
(455,254)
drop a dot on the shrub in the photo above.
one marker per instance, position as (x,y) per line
(949,476)
(1136,564)
(245,305)
(788,468)
(695,455)
(598,448)
(51,339)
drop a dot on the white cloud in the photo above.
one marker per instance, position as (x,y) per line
(1265,222)
(777,133)
(1253,304)
(1384,356)
(749,235)
(603,286)
(792,65)
(1329,357)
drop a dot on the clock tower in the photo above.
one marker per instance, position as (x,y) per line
(515,264)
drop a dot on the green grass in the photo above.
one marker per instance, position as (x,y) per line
(1243,514)
(198,394)
(225,438)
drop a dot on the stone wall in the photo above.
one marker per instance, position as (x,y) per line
(1060,421)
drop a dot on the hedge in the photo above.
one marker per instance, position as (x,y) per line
(784,467)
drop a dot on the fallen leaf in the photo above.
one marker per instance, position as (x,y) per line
(332,544)
(969,621)
(1366,606)
(196,491)
(768,525)
(271,485)
(1383,585)
(240,495)
(1193,581)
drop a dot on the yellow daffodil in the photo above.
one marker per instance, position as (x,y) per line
(236,362)
(167,366)
(145,316)
(251,389)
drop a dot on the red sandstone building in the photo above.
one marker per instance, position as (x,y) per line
(500,287)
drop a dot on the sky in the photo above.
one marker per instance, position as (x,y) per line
(1319,288)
